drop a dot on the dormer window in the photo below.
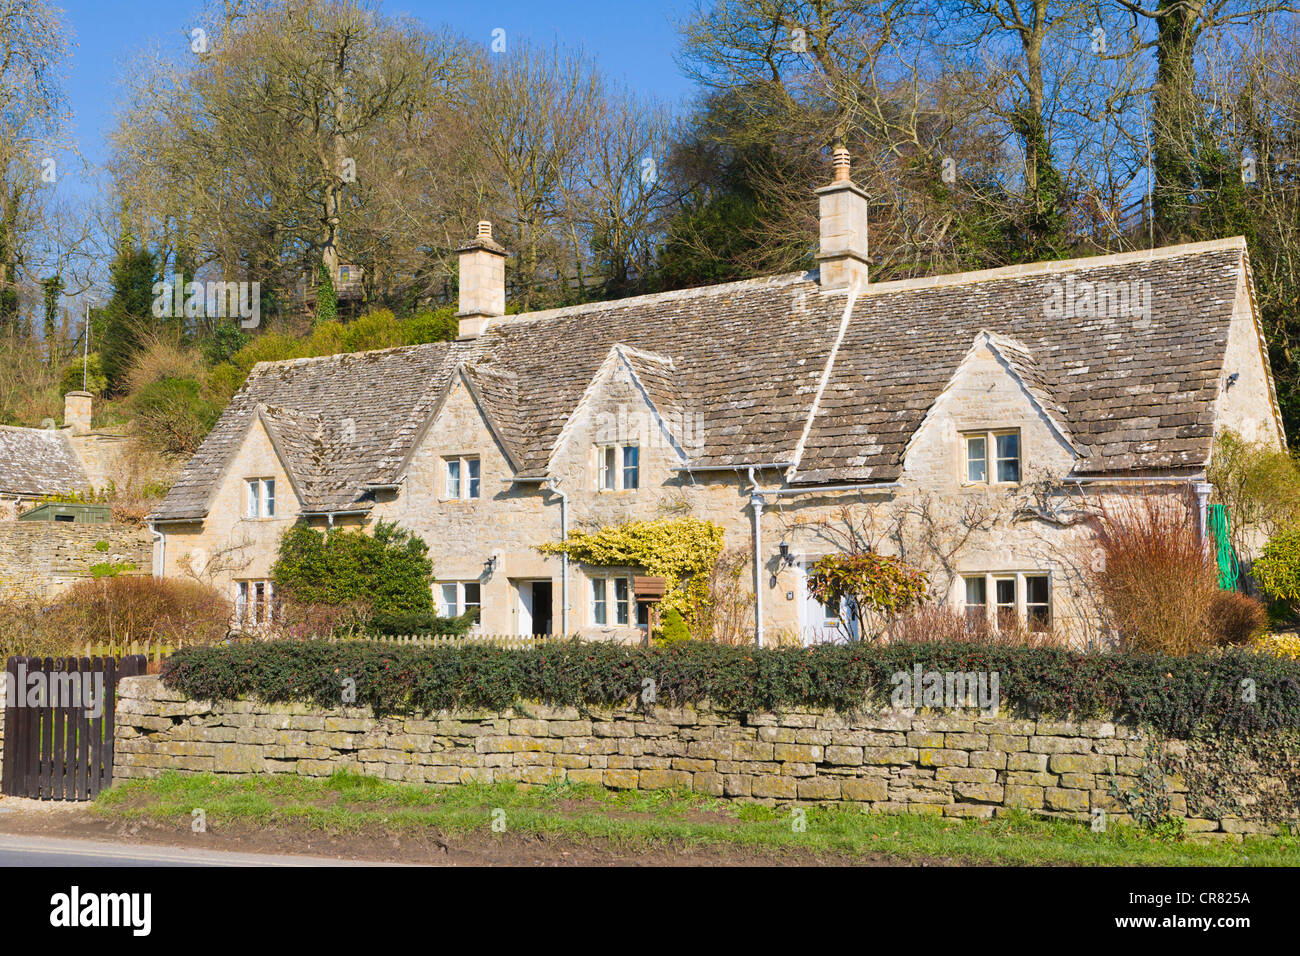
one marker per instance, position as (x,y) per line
(619,467)
(260,498)
(991,457)
(462,479)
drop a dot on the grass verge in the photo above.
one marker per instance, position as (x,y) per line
(349,803)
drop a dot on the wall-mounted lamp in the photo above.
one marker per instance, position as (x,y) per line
(1232,379)
(786,557)
(490,565)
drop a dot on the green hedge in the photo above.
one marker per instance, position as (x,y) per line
(1175,695)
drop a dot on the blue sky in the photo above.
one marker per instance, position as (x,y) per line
(634,42)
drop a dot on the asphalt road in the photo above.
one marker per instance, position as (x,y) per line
(18,850)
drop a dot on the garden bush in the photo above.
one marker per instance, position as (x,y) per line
(1156,582)
(1236,618)
(388,570)
(1176,695)
(114,609)
(1277,569)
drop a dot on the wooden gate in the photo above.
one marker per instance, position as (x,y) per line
(58,734)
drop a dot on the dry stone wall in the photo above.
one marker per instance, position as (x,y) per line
(971,765)
(44,557)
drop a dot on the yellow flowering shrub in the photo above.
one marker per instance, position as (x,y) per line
(1279,645)
(680,550)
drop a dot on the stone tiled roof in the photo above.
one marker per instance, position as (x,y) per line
(1133,391)
(36,461)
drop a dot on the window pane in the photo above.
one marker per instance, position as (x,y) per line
(976,591)
(1006,591)
(1036,589)
(598,600)
(620,600)
(254,499)
(447,600)
(471,594)
(269,490)
(607,468)
(241,600)
(453,479)
(472,465)
(1008,447)
(631,466)
(976,460)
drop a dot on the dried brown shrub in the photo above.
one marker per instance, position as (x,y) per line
(727,616)
(934,624)
(113,610)
(1236,619)
(1156,581)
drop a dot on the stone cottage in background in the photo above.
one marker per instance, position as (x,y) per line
(967,422)
(43,556)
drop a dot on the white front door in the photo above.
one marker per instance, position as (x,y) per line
(525,604)
(819,624)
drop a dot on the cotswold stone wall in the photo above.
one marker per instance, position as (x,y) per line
(889,761)
(43,557)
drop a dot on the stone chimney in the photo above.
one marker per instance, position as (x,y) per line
(842,209)
(482,283)
(76,412)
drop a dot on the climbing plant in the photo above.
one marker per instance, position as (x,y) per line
(681,550)
(873,588)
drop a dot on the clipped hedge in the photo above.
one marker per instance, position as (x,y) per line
(1177,695)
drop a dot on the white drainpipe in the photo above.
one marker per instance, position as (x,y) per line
(554,484)
(756,502)
(160,540)
(1202,490)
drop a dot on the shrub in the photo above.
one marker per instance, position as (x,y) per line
(1259,484)
(1174,695)
(1278,645)
(933,624)
(673,628)
(420,622)
(172,416)
(874,587)
(1156,582)
(85,374)
(389,569)
(114,609)
(1277,569)
(681,550)
(440,325)
(1236,619)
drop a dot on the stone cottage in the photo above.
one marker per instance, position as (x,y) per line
(44,557)
(970,423)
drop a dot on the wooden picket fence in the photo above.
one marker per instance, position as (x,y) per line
(155,651)
(509,641)
(152,651)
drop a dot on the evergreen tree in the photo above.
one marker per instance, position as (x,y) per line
(129,313)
